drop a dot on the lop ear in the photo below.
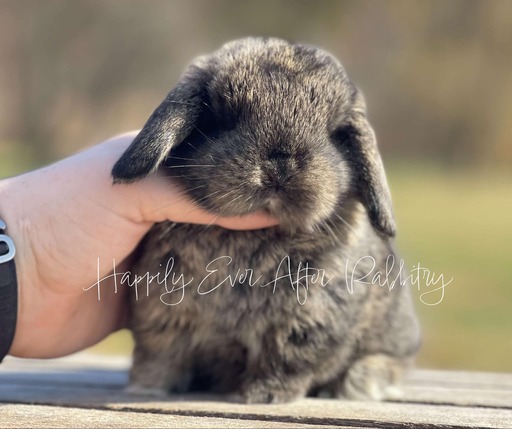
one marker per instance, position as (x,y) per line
(361,150)
(167,127)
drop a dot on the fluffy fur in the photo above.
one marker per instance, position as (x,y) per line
(263,124)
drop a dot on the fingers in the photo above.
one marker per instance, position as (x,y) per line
(257,220)
(163,200)
(253,221)
(160,199)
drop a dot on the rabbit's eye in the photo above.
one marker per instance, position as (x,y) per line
(227,121)
(343,134)
(213,126)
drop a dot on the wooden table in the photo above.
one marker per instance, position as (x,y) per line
(85,390)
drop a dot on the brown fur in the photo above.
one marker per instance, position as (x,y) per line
(267,125)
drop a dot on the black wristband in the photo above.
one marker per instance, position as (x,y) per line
(8,292)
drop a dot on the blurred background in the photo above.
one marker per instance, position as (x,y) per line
(437,77)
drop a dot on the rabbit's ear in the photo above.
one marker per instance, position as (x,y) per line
(360,148)
(167,127)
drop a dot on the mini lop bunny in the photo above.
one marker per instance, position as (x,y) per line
(269,315)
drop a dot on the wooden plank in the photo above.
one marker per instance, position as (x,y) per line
(462,397)
(427,394)
(34,416)
(422,386)
(305,411)
(460,378)
(478,399)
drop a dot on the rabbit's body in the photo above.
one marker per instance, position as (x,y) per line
(271,337)
(271,314)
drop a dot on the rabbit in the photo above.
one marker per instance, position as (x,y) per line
(270,315)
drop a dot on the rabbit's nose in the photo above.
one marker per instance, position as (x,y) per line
(277,169)
(276,174)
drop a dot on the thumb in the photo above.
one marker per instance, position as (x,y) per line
(162,199)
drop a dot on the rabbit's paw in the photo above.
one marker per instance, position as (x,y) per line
(373,377)
(269,392)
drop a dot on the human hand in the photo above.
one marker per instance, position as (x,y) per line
(64,219)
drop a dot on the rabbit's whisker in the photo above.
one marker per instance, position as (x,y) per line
(206,197)
(203,134)
(191,145)
(184,159)
(175,201)
(167,230)
(191,165)
(233,200)
(200,200)
(181,102)
(207,105)
(230,192)
(213,221)
(209,176)
(335,239)
(345,222)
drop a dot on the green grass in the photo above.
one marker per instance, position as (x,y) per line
(119,343)
(460,224)
(15,159)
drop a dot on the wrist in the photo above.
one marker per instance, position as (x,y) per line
(17,226)
(8,291)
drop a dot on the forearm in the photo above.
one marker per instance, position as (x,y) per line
(57,318)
